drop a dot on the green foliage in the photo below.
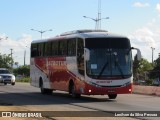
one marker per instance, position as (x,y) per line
(144,65)
(157,61)
(25,79)
(141,70)
(149,82)
(23,70)
(156,70)
(6,61)
(136,65)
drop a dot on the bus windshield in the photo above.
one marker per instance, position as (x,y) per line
(109,57)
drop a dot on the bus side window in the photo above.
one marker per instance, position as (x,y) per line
(54,48)
(40,49)
(33,50)
(47,49)
(63,48)
(80,56)
(71,47)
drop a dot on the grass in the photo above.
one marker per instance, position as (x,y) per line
(25,79)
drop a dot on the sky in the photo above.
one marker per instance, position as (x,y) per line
(139,20)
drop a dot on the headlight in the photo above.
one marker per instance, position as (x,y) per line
(126,84)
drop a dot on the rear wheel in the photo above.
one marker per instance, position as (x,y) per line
(44,90)
(112,96)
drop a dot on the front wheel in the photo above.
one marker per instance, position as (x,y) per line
(112,96)
(44,90)
(72,91)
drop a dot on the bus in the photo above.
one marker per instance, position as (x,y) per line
(83,62)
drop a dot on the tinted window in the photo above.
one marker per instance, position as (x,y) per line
(80,56)
(63,47)
(121,43)
(34,50)
(48,49)
(55,48)
(71,47)
(40,49)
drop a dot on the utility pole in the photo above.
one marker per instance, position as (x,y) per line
(12,59)
(98,18)
(152,53)
(24,57)
(41,31)
(99,15)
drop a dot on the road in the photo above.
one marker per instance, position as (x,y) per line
(23,97)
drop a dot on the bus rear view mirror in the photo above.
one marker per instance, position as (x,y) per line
(138,54)
(87,54)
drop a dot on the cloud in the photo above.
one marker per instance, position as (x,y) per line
(19,47)
(139,4)
(158,7)
(146,37)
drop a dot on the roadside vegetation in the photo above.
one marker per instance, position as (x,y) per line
(25,79)
(22,73)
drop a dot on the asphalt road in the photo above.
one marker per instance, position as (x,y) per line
(23,97)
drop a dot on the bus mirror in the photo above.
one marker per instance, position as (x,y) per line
(138,54)
(87,54)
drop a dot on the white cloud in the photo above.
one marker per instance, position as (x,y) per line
(139,4)
(18,46)
(158,7)
(147,37)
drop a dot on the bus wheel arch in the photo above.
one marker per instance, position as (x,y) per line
(72,89)
(44,90)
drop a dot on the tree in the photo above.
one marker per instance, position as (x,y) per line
(156,70)
(6,61)
(23,70)
(141,69)
(157,61)
(136,65)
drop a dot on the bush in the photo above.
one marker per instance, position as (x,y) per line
(149,82)
(25,79)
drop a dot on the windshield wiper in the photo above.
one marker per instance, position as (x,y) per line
(104,67)
(118,65)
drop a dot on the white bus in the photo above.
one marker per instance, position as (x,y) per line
(89,62)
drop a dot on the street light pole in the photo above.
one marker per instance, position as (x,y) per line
(97,26)
(152,53)
(24,57)
(98,19)
(11,58)
(41,31)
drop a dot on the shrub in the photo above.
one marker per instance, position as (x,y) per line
(25,79)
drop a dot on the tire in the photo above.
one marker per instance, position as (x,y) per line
(5,83)
(72,91)
(44,90)
(112,96)
(13,83)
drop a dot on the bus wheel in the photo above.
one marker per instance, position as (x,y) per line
(72,91)
(112,96)
(44,90)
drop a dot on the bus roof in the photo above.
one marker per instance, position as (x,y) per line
(82,34)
